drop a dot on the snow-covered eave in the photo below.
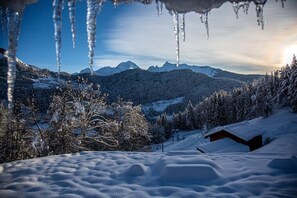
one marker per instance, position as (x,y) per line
(16,5)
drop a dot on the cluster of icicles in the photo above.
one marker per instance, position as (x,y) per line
(179,19)
(93,9)
(12,20)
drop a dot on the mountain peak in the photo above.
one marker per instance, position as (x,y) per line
(126,66)
(166,64)
(107,71)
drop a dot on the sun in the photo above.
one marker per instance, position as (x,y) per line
(288,54)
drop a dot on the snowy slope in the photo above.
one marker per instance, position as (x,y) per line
(47,82)
(182,141)
(280,124)
(161,105)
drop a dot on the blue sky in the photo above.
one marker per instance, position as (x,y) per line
(134,32)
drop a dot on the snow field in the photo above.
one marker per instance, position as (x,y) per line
(172,174)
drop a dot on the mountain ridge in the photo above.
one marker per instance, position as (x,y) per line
(137,85)
(108,70)
(167,67)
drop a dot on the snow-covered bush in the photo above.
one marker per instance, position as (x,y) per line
(82,120)
(77,118)
(132,132)
(16,133)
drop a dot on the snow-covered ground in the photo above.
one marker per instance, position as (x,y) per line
(46,82)
(270,171)
(161,105)
(182,141)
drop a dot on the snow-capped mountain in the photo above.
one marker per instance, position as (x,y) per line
(207,70)
(107,71)
(137,85)
(167,67)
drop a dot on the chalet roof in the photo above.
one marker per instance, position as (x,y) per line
(246,130)
(222,146)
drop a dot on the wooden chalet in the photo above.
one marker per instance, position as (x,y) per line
(243,133)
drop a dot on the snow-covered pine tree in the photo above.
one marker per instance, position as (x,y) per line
(263,97)
(284,85)
(190,116)
(292,89)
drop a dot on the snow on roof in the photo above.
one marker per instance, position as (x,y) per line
(286,144)
(222,146)
(282,120)
(245,130)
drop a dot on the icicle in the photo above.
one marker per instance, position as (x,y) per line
(72,10)
(14,23)
(57,17)
(244,5)
(176,33)
(183,27)
(115,3)
(283,3)
(158,8)
(204,19)
(3,18)
(236,8)
(260,18)
(93,8)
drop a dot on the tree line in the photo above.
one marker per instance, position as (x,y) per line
(258,98)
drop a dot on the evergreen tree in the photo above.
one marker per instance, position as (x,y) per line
(292,89)
(190,116)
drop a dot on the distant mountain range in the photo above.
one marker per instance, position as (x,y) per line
(209,71)
(107,71)
(167,67)
(129,82)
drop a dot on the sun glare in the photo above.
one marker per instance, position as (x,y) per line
(288,54)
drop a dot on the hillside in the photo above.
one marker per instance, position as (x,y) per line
(30,80)
(144,87)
